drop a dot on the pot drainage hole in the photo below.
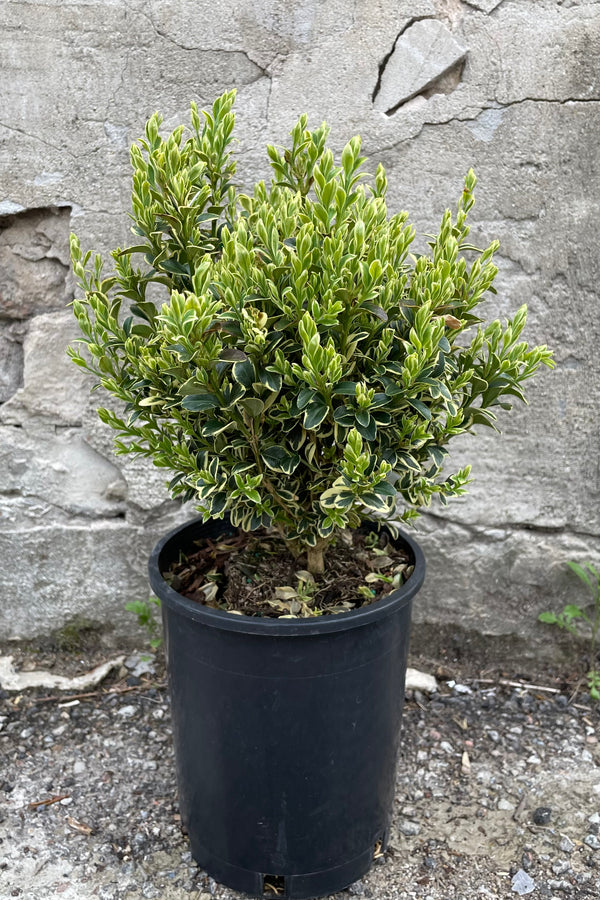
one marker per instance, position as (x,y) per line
(273,885)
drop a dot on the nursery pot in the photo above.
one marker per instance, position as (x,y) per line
(286,732)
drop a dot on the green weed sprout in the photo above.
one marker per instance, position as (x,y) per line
(568,618)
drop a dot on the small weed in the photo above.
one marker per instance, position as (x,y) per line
(572,615)
(144,611)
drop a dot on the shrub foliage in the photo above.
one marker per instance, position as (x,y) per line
(304,372)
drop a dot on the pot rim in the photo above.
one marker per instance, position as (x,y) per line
(278,627)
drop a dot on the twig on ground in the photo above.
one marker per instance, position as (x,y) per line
(37,803)
(518,684)
(575,690)
(146,685)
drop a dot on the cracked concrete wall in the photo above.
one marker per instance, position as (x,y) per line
(434,86)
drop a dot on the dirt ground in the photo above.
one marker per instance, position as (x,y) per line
(498,794)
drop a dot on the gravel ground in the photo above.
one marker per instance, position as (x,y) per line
(498,796)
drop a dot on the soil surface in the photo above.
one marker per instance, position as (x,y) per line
(88,806)
(255,574)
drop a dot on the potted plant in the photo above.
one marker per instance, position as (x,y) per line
(301,379)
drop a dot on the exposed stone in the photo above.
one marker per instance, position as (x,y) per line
(424,53)
(522,883)
(566,845)
(519,572)
(11,358)
(59,470)
(420,681)
(407,828)
(52,386)
(34,262)
(51,572)
(542,815)
(10,680)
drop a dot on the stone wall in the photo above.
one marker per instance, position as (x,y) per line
(509,87)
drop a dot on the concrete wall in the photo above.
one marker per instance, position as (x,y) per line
(509,87)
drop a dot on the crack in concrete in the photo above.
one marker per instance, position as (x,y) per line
(113,98)
(480,529)
(474,5)
(36,137)
(263,72)
(501,105)
(444,84)
(468,115)
(389,55)
(31,497)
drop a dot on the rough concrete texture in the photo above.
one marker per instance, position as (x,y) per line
(524,110)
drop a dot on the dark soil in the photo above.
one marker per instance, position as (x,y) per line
(256,575)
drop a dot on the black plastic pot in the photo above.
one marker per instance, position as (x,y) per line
(286,732)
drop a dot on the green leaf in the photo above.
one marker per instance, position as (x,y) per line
(379,399)
(345,388)
(479,385)
(200,402)
(182,352)
(376,310)
(344,416)
(280,460)
(142,330)
(548,617)
(252,405)
(385,489)
(139,248)
(374,501)
(271,380)
(232,354)
(369,432)
(336,497)
(581,573)
(315,413)
(408,461)
(437,454)
(305,396)
(214,427)
(174,267)
(191,386)
(421,408)
(325,527)
(572,611)
(218,503)
(232,393)
(145,311)
(381,417)
(243,372)
(390,456)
